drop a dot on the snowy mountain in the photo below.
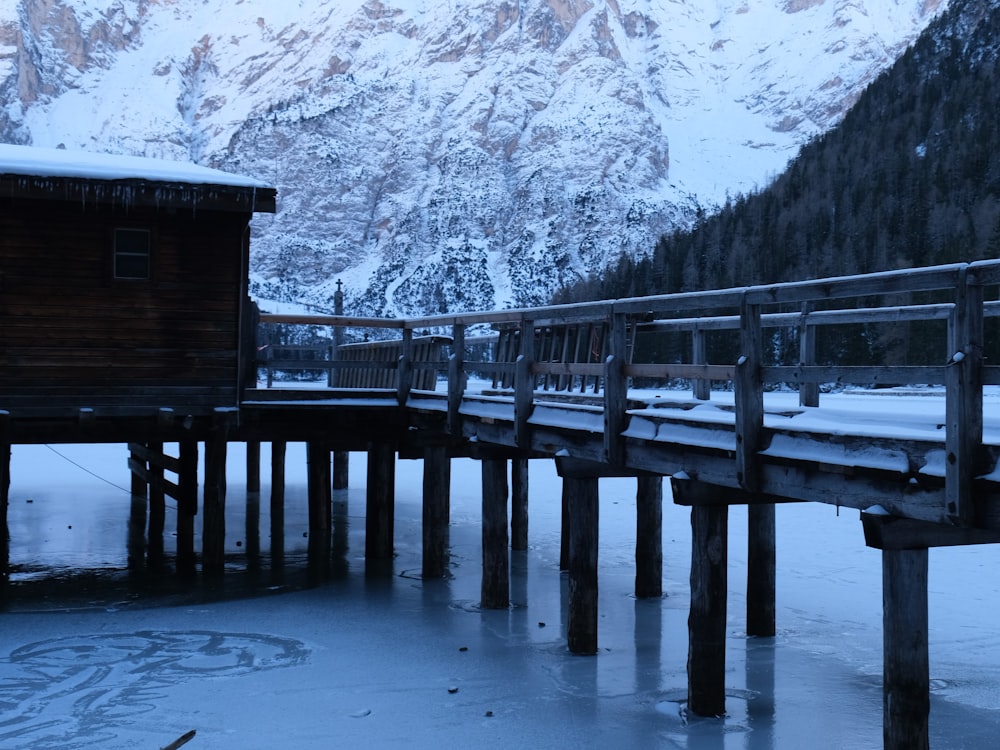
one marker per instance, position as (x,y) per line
(450,154)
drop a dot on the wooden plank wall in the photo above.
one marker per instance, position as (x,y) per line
(68,328)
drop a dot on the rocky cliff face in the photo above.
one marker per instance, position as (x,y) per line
(450,154)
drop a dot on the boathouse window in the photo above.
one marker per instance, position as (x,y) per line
(132,251)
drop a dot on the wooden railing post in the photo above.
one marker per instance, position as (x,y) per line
(808,392)
(405,370)
(456,379)
(749,389)
(699,356)
(964,400)
(616,391)
(524,383)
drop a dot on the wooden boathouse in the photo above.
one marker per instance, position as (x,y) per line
(147,337)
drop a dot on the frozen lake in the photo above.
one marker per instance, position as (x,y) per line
(281,655)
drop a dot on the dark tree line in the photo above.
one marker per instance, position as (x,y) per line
(911,177)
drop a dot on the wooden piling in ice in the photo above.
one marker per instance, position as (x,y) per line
(583,498)
(706,665)
(187,504)
(4,492)
(905,668)
(213,557)
(519,504)
(495,589)
(380,513)
(761,547)
(278,450)
(341,470)
(319,488)
(649,537)
(436,511)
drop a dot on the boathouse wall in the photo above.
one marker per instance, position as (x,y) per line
(80,328)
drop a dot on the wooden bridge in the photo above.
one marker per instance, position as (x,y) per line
(597,388)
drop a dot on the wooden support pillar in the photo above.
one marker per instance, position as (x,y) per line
(253,466)
(706,665)
(138,485)
(583,500)
(380,514)
(495,590)
(906,674)
(519,504)
(278,450)
(761,548)
(187,505)
(4,494)
(649,537)
(319,488)
(341,470)
(564,526)
(213,535)
(157,508)
(436,511)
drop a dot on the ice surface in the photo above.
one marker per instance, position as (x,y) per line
(358,656)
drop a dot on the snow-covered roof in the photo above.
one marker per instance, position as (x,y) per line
(30,161)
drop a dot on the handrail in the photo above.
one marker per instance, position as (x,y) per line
(750,310)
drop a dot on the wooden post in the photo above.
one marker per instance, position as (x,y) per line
(564,530)
(213,557)
(436,510)
(187,505)
(519,504)
(341,470)
(524,384)
(278,450)
(4,494)
(649,537)
(964,400)
(456,379)
(380,513)
(702,389)
(706,665)
(749,396)
(157,508)
(253,466)
(583,498)
(319,488)
(616,392)
(808,392)
(137,514)
(405,368)
(906,674)
(495,590)
(761,548)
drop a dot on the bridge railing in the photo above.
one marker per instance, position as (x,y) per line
(772,336)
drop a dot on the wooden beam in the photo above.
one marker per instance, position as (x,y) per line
(495,589)
(887,532)
(253,465)
(320,498)
(749,395)
(157,509)
(582,619)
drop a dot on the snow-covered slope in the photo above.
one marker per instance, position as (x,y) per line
(450,154)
